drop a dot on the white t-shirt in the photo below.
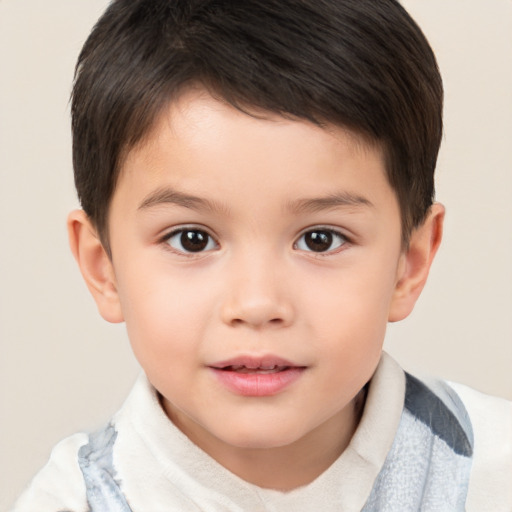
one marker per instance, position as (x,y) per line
(436,447)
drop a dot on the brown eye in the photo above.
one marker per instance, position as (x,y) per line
(191,240)
(320,240)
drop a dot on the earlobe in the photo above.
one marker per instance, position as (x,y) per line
(415,263)
(95,265)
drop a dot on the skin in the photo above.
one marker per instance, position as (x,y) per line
(256,188)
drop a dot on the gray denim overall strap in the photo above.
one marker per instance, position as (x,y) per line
(428,466)
(96,462)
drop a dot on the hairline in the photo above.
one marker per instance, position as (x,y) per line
(364,139)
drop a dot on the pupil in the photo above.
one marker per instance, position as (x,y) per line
(319,241)
(194,241)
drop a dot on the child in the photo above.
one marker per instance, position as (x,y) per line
(257,188)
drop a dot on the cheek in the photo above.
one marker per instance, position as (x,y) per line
(165,314)
(358,300)
(350,316)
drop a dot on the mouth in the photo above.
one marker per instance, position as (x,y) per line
(260,370)
(249,376)
(250,364)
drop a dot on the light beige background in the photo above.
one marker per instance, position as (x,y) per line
(63,369)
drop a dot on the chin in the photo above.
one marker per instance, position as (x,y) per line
(263,438)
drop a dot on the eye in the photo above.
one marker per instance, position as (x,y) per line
(320,240)
(189,240)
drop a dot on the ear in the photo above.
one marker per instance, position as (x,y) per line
(415,262)
(95,265)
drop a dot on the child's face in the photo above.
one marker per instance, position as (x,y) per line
(256,262)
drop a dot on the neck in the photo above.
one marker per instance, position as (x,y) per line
(285,468)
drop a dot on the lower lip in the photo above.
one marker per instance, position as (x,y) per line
(258,384)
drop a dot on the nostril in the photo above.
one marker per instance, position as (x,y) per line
(256,313)
(271,322)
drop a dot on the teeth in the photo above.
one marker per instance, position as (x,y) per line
(260,369)
(274,369)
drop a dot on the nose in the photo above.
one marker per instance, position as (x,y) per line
(257,295)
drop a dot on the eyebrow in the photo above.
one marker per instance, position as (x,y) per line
(163,196)
(317,204)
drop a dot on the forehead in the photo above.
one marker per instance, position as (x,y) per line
(205,146)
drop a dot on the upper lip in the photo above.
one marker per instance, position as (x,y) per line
(264,362)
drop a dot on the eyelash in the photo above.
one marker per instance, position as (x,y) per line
(332,233)
(327,235)
(208,239)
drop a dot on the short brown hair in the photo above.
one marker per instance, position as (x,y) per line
(361,64)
